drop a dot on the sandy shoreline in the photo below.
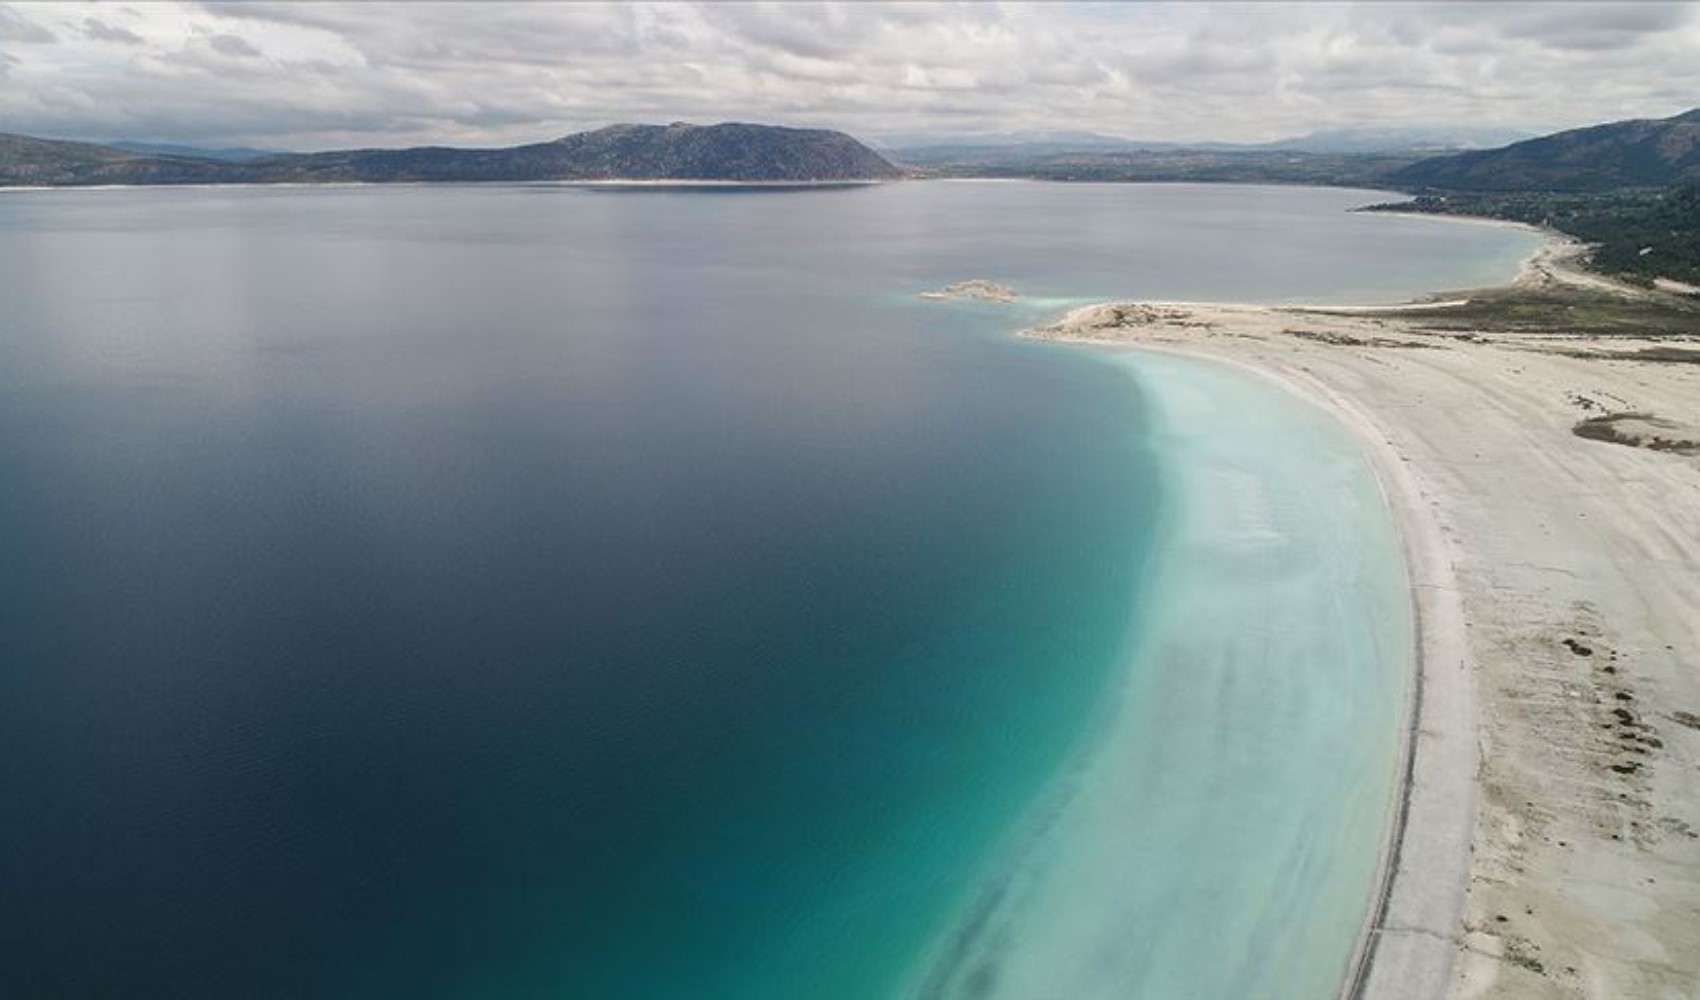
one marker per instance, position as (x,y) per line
(1549,839)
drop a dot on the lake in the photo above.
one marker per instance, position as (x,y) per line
(535,590)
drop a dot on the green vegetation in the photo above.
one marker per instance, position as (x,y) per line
(1638,234)
(1566,311)
(1632,189)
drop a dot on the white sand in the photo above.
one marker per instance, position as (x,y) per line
(1557,853)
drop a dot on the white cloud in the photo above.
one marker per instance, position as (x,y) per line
(312,75)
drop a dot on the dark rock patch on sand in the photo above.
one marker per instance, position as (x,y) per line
(1642,430)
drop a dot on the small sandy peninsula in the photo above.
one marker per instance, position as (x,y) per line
(1540,447)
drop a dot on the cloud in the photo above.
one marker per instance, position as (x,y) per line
(14,27)
(234,45)
(325,74)
(100,31)
(1582,27)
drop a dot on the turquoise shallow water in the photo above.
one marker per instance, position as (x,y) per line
(1219,831)
(508,591)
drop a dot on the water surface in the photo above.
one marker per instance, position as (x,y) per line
(494,591)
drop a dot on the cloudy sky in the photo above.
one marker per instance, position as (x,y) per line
(319,75)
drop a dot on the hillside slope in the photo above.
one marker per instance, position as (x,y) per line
(1640,153)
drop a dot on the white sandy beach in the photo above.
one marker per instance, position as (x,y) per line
(1551,845)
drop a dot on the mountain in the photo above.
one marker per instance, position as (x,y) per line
(1438,139)
(727,152)
(1640,153)
(933,140)
(31,162)
(235,154)
(25,160)
(1012,153)
(1031,150)
(1157,164)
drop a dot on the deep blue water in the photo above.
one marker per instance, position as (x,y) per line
(543,591)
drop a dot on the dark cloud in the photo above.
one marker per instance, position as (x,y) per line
(233,45)
(100,31)
(1588,27)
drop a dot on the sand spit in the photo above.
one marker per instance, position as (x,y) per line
(1550,841)
(974,288)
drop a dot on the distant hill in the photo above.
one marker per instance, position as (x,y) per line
(727,152)
(1242,165)
(235,154)
(1439,139)
(922,147)
(730,152)
(1641,153)
(1017,153)
(1040,152)
(25,160)
(1064,139)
